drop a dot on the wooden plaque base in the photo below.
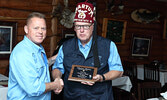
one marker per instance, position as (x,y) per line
(82,73)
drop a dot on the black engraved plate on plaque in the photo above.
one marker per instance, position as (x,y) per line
(82,73)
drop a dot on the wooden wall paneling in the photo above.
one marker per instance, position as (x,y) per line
(152,29)
(151,26)
(54,27)
(10,14)
(4,64)
(19,38)
(25,6)
(48,22)
(49,32)
(142,31)
(17,11)
(53,38)
(164,51)
(20,30)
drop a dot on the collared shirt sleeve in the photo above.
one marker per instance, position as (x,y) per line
(114,60)
(59,61)
(26,75)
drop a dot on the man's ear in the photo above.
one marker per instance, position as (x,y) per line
(26,29)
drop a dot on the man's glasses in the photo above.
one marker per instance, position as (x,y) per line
(86,27)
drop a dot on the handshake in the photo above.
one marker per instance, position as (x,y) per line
(57,86)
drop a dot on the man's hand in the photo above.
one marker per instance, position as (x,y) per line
(97,78)
(59,85)
(88,83)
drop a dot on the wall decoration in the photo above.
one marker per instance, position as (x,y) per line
(141,46)
(165,29)
(64,14)
(114,30)
(114,6)
(144,16)
(69,36)
(7,37)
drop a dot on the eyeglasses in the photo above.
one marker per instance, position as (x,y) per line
(86,27)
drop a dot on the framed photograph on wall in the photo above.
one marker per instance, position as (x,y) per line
(114,30)
(69,36)
(7,37)
(165,29)
(141,46)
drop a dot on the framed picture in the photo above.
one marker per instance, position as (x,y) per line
(7,37)
(114,30)
(141,46)
(69,36)
(165,29)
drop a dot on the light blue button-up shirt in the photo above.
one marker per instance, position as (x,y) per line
(114,60)
(28,72)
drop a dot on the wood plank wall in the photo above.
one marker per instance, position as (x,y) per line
(154,29)
(17,11)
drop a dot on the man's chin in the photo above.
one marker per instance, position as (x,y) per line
(84,41)
(39,42)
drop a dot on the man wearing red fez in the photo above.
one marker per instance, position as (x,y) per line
(87,49)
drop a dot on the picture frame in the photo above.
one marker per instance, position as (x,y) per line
(69,36)
(165,29)
(80,73)
(141,46)
(114,30)
(8,32)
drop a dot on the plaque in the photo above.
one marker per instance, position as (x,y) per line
(82,73)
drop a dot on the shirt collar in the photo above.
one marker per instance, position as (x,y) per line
(88,44)
(35,47)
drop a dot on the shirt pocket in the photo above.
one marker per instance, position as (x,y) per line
(40,69)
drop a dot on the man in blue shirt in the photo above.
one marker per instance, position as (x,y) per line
(82,50)
(29,77)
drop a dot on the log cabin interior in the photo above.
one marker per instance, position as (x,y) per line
(152,27)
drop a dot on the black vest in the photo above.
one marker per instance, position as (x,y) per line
(72,56)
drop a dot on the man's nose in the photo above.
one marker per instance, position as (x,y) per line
(40,30)
(82,29)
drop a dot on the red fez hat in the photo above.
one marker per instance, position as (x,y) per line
(84,12)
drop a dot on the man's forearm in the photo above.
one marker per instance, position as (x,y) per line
(54,85)
(112,75)
(50,86)
(56,74)
(52,59)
